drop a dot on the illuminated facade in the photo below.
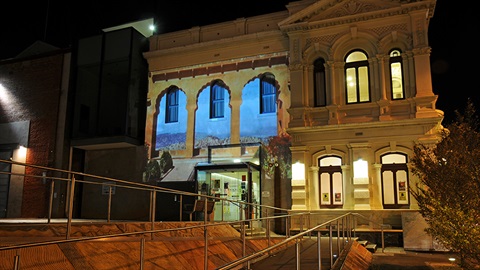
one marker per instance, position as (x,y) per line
(354,95)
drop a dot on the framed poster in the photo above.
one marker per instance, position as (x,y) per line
(401,186)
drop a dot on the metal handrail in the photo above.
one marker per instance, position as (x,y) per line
(345,219)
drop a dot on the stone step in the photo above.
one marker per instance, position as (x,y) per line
(371,247)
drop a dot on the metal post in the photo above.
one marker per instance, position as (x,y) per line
(205,236)
(287,229)
(297,253)
(383,240)
(244,250)
(154,199)
(309,224)
(338,237)
(70,206)
(319,250)
(109,211)
(50,202)
(142,252)
(268,233)
(16,262)
(181,207)
(330,243)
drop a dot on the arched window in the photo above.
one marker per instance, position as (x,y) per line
(356,75)
(396,76)
(331,183)
(171,112)
(268,94)
(395,181)
(217,99)
(319,82)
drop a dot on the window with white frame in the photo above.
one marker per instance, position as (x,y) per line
(356,76)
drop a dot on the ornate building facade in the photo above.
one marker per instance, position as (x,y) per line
(347,82)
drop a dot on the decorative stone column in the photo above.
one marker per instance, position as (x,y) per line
(314,189)
(376,187)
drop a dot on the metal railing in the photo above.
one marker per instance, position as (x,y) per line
(344,235)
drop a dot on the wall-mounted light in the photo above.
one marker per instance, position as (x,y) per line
(360,172)
(298,171)
(22,152)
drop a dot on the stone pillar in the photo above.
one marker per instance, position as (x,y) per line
(314,189)
(376,188)
(190,138)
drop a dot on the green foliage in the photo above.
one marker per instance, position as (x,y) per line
(449,187)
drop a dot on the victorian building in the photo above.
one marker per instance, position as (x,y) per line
(344,85)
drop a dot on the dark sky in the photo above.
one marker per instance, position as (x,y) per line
(60,23)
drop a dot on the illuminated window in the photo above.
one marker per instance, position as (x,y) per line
(217,100)
(171,114)
(268,93)
(356,77)
(331,181)
(396,77)
(395,193)
(319,82)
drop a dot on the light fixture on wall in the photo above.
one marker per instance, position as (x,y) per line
(298,171)
(360,171)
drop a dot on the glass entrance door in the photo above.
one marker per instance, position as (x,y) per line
(237,184)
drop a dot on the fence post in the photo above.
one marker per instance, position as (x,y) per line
(154,199)
(16,262)
(70,206)
(109,203)
(142,252)
(205,233)
(319,251)
(50,202)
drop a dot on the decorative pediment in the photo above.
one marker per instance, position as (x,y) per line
(338,10)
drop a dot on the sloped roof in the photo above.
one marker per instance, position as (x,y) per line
(38,47)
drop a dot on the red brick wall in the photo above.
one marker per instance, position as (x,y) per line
(35,85)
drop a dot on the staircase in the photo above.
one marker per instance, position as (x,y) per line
(372,247)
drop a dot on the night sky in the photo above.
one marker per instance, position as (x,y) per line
(60,23)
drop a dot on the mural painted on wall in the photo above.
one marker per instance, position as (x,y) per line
(258,120)
(258,114)
(172,120)
(277,154)
(212,118)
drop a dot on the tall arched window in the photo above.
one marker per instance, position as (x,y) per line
(171,112)
(268,93)
(395,181)
(217,99)
(356,75)
(331,183)
(396,76)
(319,82)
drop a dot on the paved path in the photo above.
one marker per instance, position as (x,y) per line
(393,258)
